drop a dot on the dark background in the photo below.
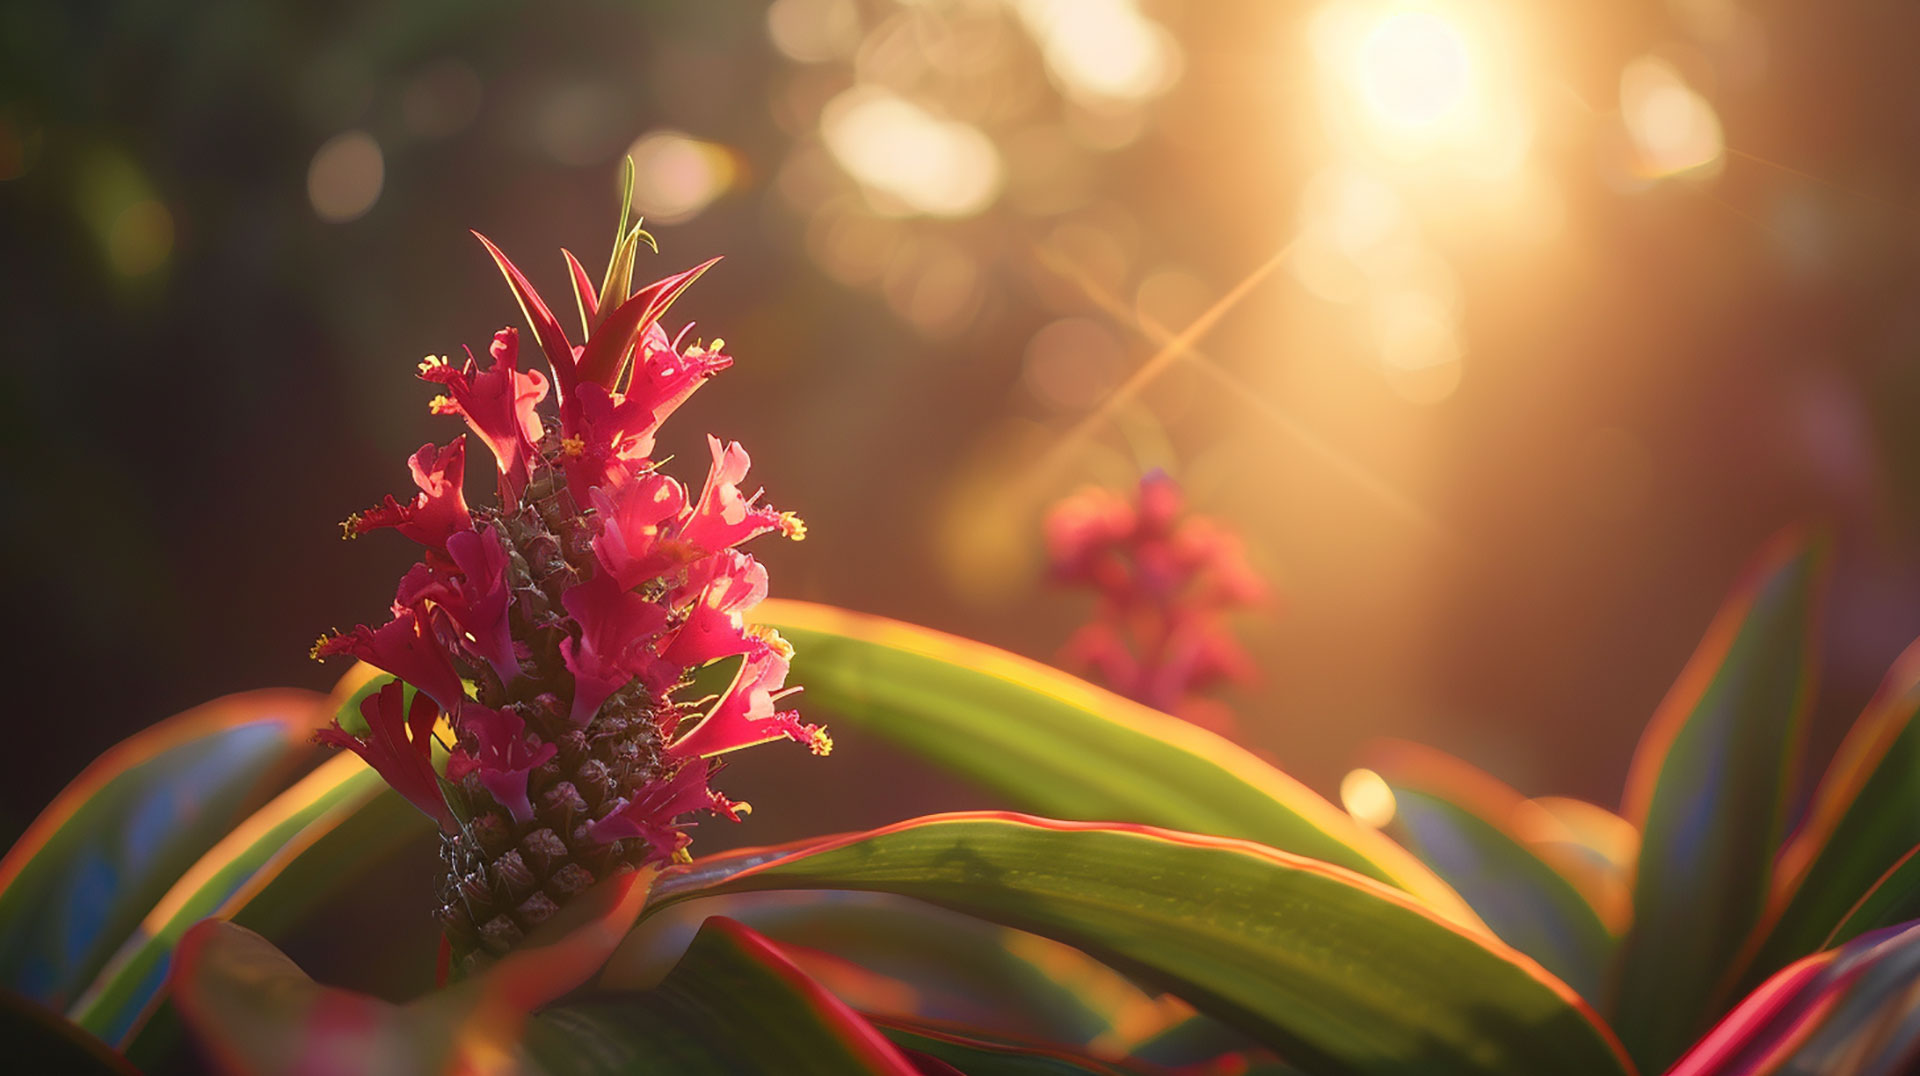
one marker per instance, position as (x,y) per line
(1649,389)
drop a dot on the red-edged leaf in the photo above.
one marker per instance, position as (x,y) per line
(257,1013)
(1853,1011)
(733,1004)
(1468,827)
(114,840)
(546,328)
(1708,791)
(1332,970)
(1864,816)
(606,351)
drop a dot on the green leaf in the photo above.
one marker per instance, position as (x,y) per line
(1333,971)
(109,846)
(977,1054)
(1893,899)
(224,878)
(252,1009)
(1056,745)
(933,964)
(1865,815)
(732,1004)
(1474,832)
(1708,790)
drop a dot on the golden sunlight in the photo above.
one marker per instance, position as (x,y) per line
(1417,79)
(1412,71)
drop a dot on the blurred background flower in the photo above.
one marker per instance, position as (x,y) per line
(1502,332)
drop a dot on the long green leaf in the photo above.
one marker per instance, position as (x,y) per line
(86,871)
(129,984)
(254,1011)
(1708,790)
(1893,899)
(1056,745)
(938,965)
(1864,816)
(1465,825)
(1337,973)
(732,1004)
(976,1054)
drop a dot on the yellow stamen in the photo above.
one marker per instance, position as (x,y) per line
(440,405)
(433,361)
(820,743)
(573,448)
(793,527)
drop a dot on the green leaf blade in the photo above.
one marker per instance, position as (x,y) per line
(1708,792)
(1335,972)
(81,877)
(1864,816)
(1466,826)
(732,1004)
(1055,745)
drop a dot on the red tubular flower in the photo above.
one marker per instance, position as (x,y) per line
(635,543)
(572,613)
(1165,582)
(498,404)
(745,715)
(503,759)
(439,510)
(651,816)
(723,518)
(399,746)
(615,626)
(404,646)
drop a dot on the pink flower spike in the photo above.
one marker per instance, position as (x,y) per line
(615,627)
(632,546)
(725,585)
(745,715)
(399,747)
(499,406)
(650,814)
(440,508)
(723,518)
(505,757)
(405,647)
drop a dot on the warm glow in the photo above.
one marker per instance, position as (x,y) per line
(918,161)
(1367,798)
(676,176)
(1412,71)
(1102,49)
(1674,129)
(345,177)
(1419,80)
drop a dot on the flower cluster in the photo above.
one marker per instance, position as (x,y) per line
(1164,581)
(540,645)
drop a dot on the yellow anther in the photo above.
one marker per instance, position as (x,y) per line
(820,743)
(432,361)
(792,526)
(440,405)
(573,448)
(350,527)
